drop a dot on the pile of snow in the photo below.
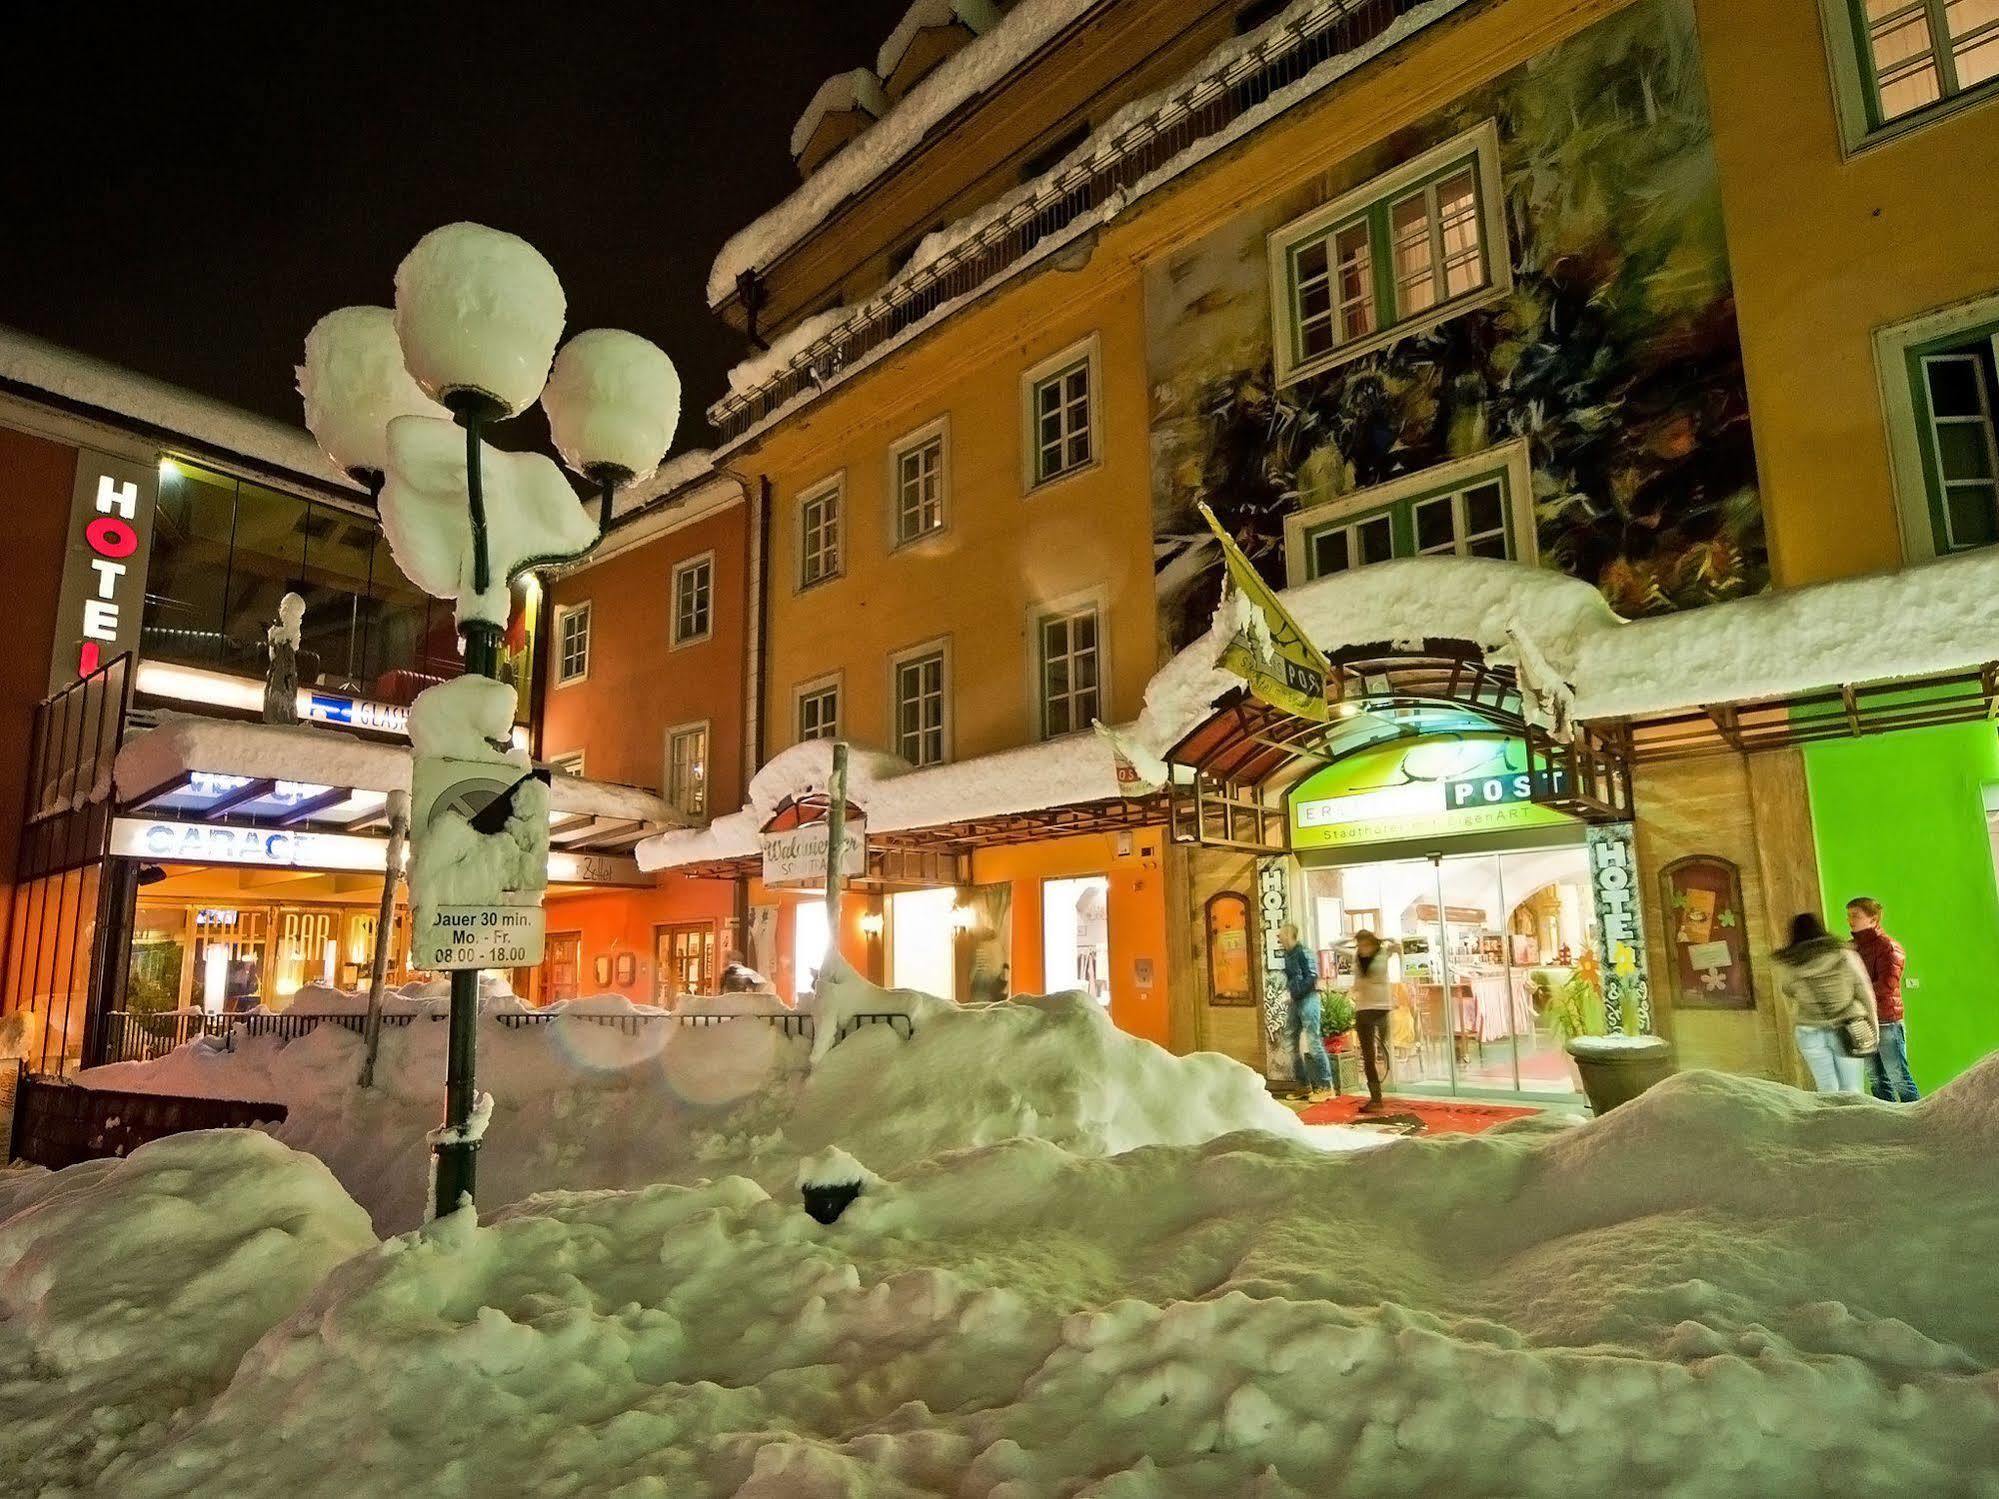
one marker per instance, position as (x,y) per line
(131,1289)
(584,1104)
(1048,1067)
(1726,1287)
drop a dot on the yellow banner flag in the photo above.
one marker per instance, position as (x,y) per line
(1269,651)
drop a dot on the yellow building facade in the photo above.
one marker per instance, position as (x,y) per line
(1697,246)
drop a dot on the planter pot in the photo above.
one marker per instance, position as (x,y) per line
(1616,1069)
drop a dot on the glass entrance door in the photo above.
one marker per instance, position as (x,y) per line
(1485,941)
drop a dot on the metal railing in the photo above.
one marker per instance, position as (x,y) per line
(135,1037)
(1117,169)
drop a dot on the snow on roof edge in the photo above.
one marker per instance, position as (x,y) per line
(184,742)
(982,62)
(88,381)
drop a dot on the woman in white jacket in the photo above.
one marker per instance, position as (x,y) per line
(1372,990)
(1832,1005)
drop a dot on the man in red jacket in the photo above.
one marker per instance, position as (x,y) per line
(1888,1069)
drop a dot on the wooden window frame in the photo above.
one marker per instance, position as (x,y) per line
(1372,204)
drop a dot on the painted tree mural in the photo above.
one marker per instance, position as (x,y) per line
(1615,358)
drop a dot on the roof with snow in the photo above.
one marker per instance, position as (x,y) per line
(962,802)
(1238,87)
(42,369)
(855,89)
(1028,27)
(976,16)
(1573,659)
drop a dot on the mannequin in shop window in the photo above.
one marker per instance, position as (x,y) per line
(1372,990)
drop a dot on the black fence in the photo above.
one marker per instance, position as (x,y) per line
(57,1123)
(134,1037)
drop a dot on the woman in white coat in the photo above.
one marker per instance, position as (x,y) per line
(1832,1005)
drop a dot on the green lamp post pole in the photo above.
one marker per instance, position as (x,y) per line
(457,1156)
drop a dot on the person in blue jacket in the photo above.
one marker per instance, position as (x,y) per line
(1309,1063)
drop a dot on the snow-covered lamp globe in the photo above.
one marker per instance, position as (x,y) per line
(354,384)
(613,400)
(478,312)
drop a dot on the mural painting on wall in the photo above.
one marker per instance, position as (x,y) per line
(1613,358)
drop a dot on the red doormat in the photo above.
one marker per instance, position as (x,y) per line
(1409,1116)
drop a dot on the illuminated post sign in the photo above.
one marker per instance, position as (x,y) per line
(104,572)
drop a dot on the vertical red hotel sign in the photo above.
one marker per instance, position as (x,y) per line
(104,571)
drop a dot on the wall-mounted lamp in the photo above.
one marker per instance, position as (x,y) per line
(963,918)
(871,923)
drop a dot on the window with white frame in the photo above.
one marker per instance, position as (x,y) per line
(694,599)
(918,478)
(819,710)
(569,762)
(1060,410)
(921,681)
(1474,507)
(1409,249)
(687,769)
(1916,54)
(1070,653)
(819,535)
(572,644)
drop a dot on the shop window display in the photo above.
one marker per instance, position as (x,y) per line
(1483,941)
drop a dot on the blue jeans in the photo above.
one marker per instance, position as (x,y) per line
(1888,1072)
(1833,1071)
(1310,1065)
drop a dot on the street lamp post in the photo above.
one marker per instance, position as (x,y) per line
(477,318)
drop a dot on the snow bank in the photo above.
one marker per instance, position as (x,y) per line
(130,1289)
(1049,1067)
(581,1104)
(1726,1287)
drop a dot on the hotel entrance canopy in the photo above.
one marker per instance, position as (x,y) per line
(205,790)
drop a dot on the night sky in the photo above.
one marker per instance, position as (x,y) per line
(185,199)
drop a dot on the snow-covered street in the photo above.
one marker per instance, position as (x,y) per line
(1084,1266)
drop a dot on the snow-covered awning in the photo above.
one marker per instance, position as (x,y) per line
(1064,786)
(210,769)
(1826,660)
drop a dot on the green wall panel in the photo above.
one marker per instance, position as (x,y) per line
(1901,817)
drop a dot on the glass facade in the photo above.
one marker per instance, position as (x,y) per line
(226,550)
